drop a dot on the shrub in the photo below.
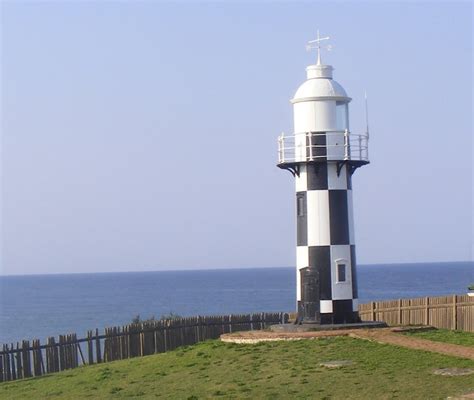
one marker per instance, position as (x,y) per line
(138,320)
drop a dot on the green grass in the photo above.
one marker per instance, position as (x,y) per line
(275,370)
(444,335)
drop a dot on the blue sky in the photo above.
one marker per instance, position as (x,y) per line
(142,135)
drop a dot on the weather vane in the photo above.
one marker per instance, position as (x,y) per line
(316,44)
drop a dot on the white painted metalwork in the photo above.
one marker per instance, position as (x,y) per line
(367,120)
(340,146)
(316,44)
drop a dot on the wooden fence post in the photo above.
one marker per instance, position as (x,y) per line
(399,312)
(19,366)
(165,336)
(198,328)
(56,355)
(6,363)
(26,358)
(39,357)
(128,342)
(105,354)
(97,347)
(12,360)
(427,311)
(35,358)
(36,361)
(372,309)
(61,352)
(142,343)
(90,351)
(48,356)
(455,313)
(181,333)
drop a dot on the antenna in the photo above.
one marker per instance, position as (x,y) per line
(316,44)
(366,116)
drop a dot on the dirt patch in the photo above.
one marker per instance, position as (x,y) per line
(382,335)
(252,337)
(462,396)
(453,371)
(336,363)
(390,336)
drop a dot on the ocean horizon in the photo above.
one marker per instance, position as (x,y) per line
(38,306)
(187,269)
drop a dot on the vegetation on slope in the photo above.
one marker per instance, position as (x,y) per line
(446,336)
(273,370)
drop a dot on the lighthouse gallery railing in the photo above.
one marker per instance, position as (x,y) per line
(314,146)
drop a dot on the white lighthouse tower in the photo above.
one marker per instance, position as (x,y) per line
(322,154)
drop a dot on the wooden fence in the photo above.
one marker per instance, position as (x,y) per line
(446,312)
(27,360)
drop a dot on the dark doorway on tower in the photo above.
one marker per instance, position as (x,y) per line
(309,306)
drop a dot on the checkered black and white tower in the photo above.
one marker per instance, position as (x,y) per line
(322,154)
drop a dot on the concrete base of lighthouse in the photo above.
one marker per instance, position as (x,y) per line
(342,313)
(308,327)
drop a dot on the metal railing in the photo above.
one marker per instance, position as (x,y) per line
(322,146)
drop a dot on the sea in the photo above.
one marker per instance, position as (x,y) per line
(38,306)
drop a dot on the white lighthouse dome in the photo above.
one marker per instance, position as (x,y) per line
(320,86)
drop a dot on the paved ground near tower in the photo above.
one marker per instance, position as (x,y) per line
(391,336)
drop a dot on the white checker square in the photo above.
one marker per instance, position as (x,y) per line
(318,217)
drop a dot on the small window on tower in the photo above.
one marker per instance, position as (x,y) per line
(341,272)
(300,206)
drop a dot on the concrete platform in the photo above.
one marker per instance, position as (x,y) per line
(327,327)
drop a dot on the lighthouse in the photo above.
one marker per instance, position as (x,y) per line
(322,154)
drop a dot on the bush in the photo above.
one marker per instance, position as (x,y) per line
(171,315)
(138,320)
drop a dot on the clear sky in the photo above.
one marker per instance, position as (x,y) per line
(142,135)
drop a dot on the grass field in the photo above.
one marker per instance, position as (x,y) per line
(272,370)
(446,336)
